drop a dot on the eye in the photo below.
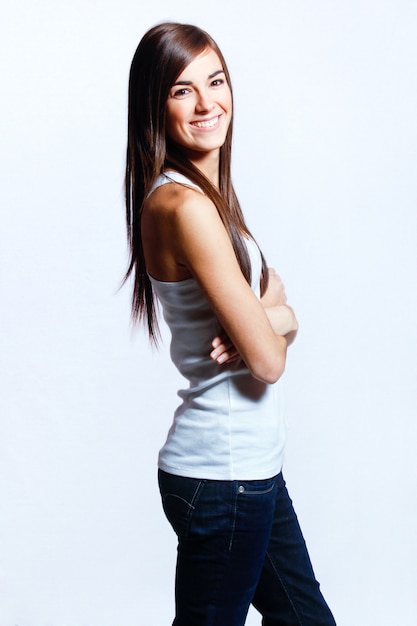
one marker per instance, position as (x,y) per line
(178,93)
(217,82)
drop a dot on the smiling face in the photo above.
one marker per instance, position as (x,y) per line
(199,107)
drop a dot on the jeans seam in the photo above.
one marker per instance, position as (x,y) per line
(196,493)
(268,556)
(234,522)
(192,504)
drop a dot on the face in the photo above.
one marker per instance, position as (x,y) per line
(199,106)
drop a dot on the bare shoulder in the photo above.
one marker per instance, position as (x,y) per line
(175,218)
(181,214)
(174,202)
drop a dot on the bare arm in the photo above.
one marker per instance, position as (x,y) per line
(280,315)
(202,245)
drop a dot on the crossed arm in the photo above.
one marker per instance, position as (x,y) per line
(192,241)
(280,315)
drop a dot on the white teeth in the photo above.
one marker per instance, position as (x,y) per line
(207,124)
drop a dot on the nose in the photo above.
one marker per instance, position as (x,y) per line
(204,102)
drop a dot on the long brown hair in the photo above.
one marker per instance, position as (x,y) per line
(162,54)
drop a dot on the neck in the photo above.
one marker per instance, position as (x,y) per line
(208,164)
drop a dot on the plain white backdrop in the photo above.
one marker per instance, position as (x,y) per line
(325,165)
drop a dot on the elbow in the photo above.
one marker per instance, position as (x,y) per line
(268,363)
(269,373)
(273,375)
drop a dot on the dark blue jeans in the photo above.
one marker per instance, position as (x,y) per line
(239,542)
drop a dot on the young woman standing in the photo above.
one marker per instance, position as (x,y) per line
(220,477)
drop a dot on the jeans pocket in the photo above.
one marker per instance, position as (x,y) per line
(257,487)
(179,497)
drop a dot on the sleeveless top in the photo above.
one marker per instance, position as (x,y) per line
(229,426)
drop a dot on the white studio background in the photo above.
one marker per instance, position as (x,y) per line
(325,165)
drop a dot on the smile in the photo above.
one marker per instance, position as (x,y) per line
(207,123)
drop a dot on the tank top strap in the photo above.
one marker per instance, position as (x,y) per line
(173,177)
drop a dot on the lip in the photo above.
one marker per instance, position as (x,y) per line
(207,124)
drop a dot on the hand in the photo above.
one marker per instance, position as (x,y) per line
(274,301)
(223,350)
(283,321)
(275,294)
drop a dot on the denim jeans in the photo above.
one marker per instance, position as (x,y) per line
(239,542)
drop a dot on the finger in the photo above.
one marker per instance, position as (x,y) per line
(222,349)
(227,357)
(232,359)
(217,341)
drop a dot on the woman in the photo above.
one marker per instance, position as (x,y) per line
(220,469)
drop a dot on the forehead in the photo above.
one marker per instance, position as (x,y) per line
(205,64)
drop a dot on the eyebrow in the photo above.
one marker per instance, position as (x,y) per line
(190,82)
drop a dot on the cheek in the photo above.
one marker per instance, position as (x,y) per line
(175,114)
(175,125)
(227,103)
(228,94)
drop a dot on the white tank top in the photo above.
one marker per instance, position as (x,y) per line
(229,426)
